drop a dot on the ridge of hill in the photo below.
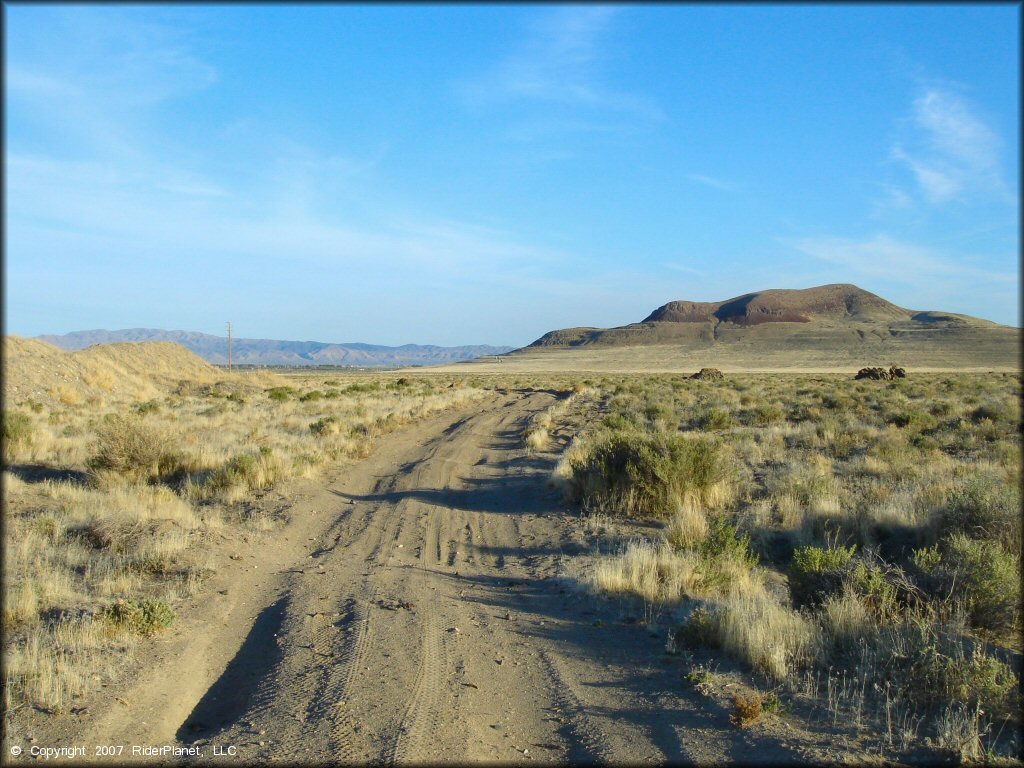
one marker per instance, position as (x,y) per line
(777,305)
(41,371)
(828,326)
(214,349)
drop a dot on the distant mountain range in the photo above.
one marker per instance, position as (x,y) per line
(214,349)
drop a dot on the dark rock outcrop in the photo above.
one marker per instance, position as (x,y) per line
(708,373)
(880,374)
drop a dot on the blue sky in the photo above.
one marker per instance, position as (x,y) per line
(486,173)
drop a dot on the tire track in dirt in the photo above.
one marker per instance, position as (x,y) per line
(422,713)
(334,653)
(586,744)
(422,710)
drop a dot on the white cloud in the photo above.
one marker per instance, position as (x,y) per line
(895,199)
(882,256)
(952,153)
(77,210)
(560,62)
(710,181)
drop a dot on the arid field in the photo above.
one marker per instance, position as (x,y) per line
(493,563)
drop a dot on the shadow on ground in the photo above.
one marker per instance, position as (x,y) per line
(230,697)
(38,473)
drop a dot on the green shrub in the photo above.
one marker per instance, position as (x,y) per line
(699,630)
(763,415)
(646,475)
(281,393)
(912,420)
(929,666)
(983,507)
(312,396)
(725,542)
(994,412)
(927,559)
(143,617)
(242,466)
(620,422)
(986,578)
(150,406)
(716,419)
(721,551)
(18,433)
(655,411)
(837,402)
(924,443)
(324,426)
(817,573)
(33,405)
(871,581)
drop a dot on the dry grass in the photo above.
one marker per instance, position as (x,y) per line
(538,433)
(688,527)
(654,572)
(918,479)
(768,637)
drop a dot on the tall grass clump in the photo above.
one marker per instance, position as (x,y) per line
(128,447)
(766,636)
(242,474)
(651,571)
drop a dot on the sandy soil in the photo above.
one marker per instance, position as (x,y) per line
(418,607)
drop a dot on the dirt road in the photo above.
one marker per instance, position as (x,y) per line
(415,610)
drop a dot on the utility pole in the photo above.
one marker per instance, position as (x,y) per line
(229,346)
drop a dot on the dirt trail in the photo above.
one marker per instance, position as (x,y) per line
(412,611)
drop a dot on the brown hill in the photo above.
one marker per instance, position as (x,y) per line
(784,306)
(830,326)
(40,371)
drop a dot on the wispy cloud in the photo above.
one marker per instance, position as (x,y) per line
(710,181)
(882,256)
(925,274)
(561,61)
(97,92)
(951,152)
